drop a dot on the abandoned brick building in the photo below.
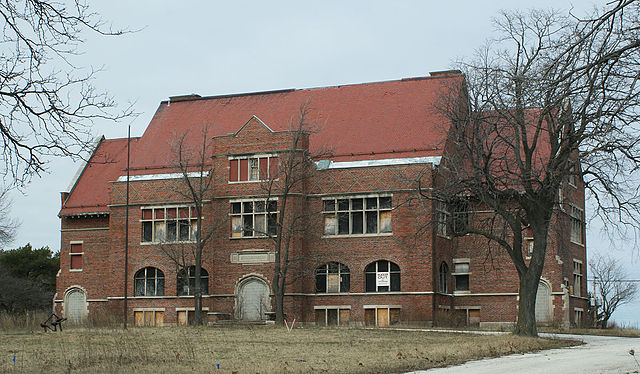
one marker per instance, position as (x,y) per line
(369,255)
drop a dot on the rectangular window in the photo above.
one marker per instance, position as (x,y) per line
(253,218)
(75,253)
(442,219)
(577,224)
(253,168)
(148,317)
(381,316)
(460,216)
(461,273)
(357,215)
(578,316)
(332,315)
(528,247)
(169,224)
(573,176)
(577,277)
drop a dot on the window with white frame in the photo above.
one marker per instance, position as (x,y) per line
(169,224)
(573,176)
(461,273)
(577,224)
(578,314)
(75,253)
(460,215)
(253,218)
(357,215)
(382,276)
(577,277)
(442,219)
(149,281)
(186,281)
(444,276)
(561,196)
(332,277)
(253,168)
(528,247)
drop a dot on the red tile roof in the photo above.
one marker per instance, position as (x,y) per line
(393,119)
(90,193)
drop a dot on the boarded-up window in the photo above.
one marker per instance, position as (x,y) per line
(254,218)
(148,318)
(332,316)
(245,169)
(382,276)
(169,224)
(75,253)
(233,171)
(332,277)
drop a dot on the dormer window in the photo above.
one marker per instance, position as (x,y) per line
(253,168)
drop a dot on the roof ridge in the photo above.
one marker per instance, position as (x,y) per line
(444,74)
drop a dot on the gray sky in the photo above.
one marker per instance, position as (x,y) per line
(222,47)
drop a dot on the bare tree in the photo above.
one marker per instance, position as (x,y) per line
(612,288)
(295,169)
(47,103)
(8,225)
(552,98)
(197,188)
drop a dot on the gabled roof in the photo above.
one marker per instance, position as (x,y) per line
(90,193)
(360,121)
(370,121)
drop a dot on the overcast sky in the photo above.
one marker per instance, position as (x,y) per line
(222,47)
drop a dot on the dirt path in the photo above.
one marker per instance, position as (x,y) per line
(599,354)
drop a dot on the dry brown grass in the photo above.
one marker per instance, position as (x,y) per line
(628,333)
(250,350)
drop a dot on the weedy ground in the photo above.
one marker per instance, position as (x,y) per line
(250,350)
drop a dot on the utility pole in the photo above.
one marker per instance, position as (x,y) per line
(595,303)
(126,235)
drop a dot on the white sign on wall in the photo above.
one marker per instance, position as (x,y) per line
(383,279)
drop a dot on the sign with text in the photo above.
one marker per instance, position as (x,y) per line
(383,279)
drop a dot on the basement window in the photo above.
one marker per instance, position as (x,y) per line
(148,317)
(360,215)
(254,168)
(75,256)
(169,224)
(253,218)
(339,315)
(381,315)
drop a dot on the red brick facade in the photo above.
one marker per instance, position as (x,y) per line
(93,215)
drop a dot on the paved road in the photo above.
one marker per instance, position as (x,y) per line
(600,354)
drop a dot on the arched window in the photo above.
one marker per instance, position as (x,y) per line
(381,276)
(444,275)
(149,282)
(187,281)
(332,277)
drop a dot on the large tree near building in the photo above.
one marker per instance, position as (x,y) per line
(192,160)
(295,169)
(552,97)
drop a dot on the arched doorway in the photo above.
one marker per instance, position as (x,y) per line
(543,303)
(253,301)
(75,305)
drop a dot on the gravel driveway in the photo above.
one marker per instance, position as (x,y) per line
(599,354)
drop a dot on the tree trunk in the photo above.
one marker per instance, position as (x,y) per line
(526,324)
